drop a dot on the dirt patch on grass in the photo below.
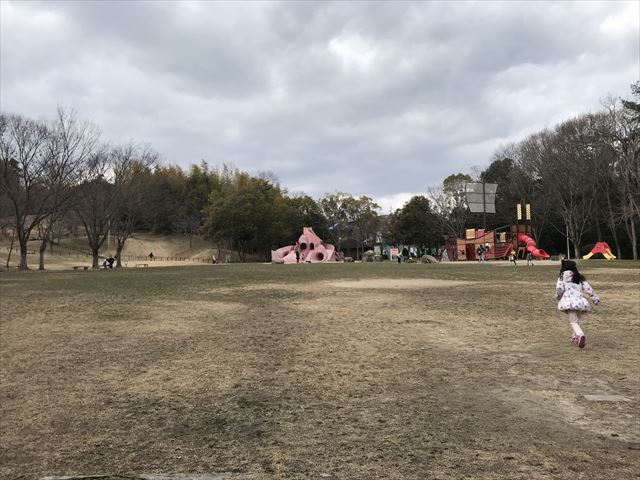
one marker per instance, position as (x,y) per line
(605,272)
(396,283)
(182,316)
(250,288)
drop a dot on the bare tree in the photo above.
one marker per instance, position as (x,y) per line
(449,204)
(70,144)
(608,168)
(38,164)
(23,165)
(566,164)
(97,201)
(131,166)
(443,208)
(529,183)
(629,167)
(112,195)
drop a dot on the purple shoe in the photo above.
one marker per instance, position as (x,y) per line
(581,341)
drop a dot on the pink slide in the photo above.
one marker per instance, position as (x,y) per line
(531,247)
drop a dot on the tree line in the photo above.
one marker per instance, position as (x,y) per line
(581,178)
(57,175)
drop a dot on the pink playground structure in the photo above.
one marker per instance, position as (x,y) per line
(311,249)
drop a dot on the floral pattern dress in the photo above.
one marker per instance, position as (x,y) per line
(571,296)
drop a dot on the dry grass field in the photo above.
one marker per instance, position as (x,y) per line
(354,371)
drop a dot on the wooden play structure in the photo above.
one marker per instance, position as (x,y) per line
(499,244)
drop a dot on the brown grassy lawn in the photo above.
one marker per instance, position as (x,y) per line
(318,371)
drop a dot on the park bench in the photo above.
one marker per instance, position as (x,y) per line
(78,267)
(142,265)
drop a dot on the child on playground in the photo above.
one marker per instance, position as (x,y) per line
(529,259)
(569,287)
(512,256)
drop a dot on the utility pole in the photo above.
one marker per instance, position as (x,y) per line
(519,219)
(484,209)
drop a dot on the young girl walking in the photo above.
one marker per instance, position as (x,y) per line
(569,287)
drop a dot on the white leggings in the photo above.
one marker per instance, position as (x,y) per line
(574,319)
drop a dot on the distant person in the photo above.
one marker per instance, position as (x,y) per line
(569,287)
(480,253)
(512,256)
(445,256)
(105,264)
(111,261)
(213,259)
(405,254)
(150,255)
(529,259)
(297,256)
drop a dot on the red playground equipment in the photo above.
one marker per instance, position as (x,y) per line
(601,248)
(532,247)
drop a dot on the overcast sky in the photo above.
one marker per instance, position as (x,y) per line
(378,99)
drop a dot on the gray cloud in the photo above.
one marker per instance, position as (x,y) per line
(383,99)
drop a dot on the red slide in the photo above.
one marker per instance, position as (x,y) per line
(531,247)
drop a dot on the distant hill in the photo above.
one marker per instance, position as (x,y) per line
(75,250)
(168,246)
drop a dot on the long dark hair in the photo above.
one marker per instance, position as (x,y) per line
(570,265)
